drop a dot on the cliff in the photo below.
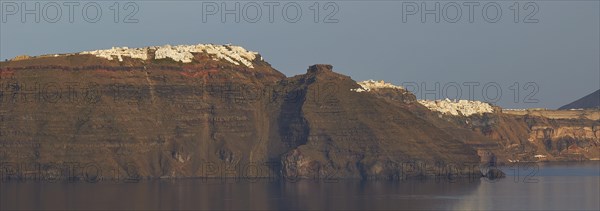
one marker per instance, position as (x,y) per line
(155,117)
(528,135)
(358,134)
(215,111)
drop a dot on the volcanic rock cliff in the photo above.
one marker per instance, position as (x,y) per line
(215,111)
(157,116)
(356,134)
(528,135)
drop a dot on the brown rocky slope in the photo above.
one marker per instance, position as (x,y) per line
(533,135)
(211,118)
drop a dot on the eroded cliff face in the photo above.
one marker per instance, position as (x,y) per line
(541,136)
(213,118)
(361,135)
(511,135)
(156,118)
(565,139)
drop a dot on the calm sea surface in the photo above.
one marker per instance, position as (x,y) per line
(540,186)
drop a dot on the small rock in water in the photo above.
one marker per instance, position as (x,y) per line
(495,173)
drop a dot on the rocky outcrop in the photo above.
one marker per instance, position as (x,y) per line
(537,135)
(360,134)
(495,174)
(565,139)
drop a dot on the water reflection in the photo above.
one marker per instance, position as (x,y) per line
(579,189)
(216,194)
(552,186)
(550,193)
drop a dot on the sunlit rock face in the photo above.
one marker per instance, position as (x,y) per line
(526,136)
(122,108)
(210,118)
(365,135)
(518,135)
(212,114)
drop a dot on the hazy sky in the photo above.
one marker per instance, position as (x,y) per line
(554,61)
